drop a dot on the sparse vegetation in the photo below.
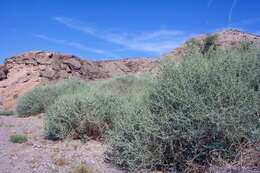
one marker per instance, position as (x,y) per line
(37,100)
(83,169)
(193,47)
(18,139)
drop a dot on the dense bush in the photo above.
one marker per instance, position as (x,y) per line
(38,99)
(130,138)
(126,85)
(86,115)
(199,110)
(89,114)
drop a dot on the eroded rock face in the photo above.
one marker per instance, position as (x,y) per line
(22,72)
(56,66)
(3,72)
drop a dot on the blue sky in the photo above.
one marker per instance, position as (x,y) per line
(107,29)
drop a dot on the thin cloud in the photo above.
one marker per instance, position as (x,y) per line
(72,44)
(209,3)
(158,41)
(231,10)
(208,6)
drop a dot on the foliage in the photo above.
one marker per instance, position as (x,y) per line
(86,115)
(89,113)
(129,139)
(18,139)
(38,99)
(83,169)
(209,43)
(193,47)
(246,45)
(198,110)
(130,86)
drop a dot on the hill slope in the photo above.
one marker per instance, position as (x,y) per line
(22,72)
(231,38)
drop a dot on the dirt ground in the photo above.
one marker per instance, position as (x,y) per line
(39,155)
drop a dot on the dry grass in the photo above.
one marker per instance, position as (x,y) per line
(83,169)
(248,158)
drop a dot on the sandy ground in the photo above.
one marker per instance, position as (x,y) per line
(39,155)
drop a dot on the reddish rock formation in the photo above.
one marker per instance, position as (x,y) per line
(53,66)
(22,72)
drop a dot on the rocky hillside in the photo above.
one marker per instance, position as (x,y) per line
(231,38)
(22,72)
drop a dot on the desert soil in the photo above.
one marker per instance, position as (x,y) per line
(39,155)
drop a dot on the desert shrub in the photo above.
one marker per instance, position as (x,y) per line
(198,110)
(18,139)
(193,46)
(86,115)
(209,43)
(246,45)
(39,98)
(90,113)
(125,84)
(130,138)
(130,87)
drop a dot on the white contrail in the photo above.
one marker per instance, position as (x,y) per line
(231,10)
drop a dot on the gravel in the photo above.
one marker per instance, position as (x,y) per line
(39,155)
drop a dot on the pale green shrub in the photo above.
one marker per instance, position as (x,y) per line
(198,110)
(124,85)
(39,98)
(87,115)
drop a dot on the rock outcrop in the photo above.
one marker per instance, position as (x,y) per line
(22,72)
(53,66)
